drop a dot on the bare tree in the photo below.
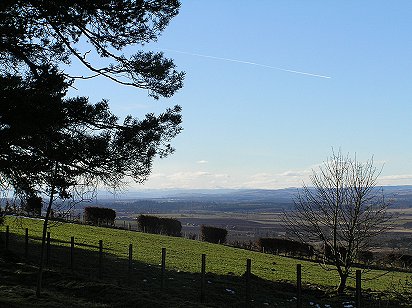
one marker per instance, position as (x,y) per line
(342,211)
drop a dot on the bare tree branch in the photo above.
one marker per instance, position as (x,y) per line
(341,213)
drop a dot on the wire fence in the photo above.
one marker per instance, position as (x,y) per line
(69,254)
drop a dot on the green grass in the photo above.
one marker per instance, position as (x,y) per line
(185,255)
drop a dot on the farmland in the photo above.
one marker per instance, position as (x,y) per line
(246,227)
(225,265)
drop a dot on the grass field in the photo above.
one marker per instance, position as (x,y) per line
(184,258)
(245,227)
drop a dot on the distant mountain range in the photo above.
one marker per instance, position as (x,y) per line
(227,200)
(202,193)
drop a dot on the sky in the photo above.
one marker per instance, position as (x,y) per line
(272,87)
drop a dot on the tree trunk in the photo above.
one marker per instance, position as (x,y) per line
(43,240)
(342,283)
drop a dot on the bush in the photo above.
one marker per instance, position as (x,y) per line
(95,215)
(148,224)
(157,225)
(213,234)
(170,226)
(365,256)
(399,260)
(33,205)
(278,245)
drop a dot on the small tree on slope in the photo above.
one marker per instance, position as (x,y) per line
(343,210)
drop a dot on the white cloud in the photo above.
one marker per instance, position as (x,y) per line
(301,173)
(183,176)
(208,179)
(261,176)
(276,180)
(202,161)
(396,179)
(264,180)
(188,179)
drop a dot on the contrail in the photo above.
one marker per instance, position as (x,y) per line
(247,62)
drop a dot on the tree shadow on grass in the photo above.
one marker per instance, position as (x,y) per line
(115,285)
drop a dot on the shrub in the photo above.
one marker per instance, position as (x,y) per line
(170,226)
(365,256)
(33,205)
(399,260)
(213,234)
(278,245)
(95,215)
(157,225)
(148,224)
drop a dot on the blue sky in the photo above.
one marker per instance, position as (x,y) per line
(250,126)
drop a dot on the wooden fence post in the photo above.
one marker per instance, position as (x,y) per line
(6,243)
(162,276)
(358,289)
(100,257)
(299,285)
(26,244)
(202,279)
(72,253)
(48,248)
(130,257)
(248,272)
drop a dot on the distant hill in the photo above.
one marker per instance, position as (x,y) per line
(227,200)
(195,194)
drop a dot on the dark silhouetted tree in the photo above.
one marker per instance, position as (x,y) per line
(33,205)
(344,210)
(51,145)
(36,35)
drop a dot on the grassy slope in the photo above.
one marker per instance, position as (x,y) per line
(184,255)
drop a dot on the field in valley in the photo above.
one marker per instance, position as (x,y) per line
(245,227)
(274,277)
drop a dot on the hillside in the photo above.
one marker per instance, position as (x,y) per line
(273,276)
(223,200)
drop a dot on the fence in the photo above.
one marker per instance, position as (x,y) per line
(202,285)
